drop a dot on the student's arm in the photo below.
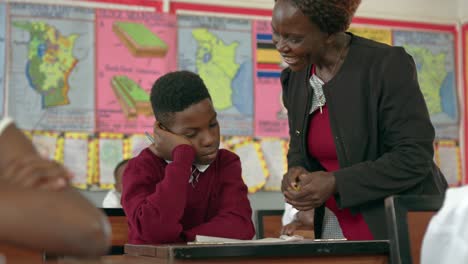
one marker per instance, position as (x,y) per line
(155,206)
(21,165)
(59,222)
(303,220)
(40,212)
(234,218)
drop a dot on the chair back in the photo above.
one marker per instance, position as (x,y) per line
(118,221)
(408,217)
(268,223)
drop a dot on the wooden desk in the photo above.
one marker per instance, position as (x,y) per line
(366,252)
(16,255)
(124,259)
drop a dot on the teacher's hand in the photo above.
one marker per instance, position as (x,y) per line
(291,178)
(316,188)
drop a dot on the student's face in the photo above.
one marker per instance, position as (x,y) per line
(198,123)
(118,177)
(299,41)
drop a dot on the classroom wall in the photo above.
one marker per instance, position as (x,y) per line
(463,10)
(420,10)
(434,11)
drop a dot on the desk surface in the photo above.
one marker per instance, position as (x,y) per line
(365,252)
(286,249)
(353,259)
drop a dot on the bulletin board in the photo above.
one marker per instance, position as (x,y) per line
(100,65)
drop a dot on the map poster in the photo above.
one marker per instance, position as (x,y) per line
(2,56)
(434,55)
(220,51)
(51,75)
(133,50)
(271,118)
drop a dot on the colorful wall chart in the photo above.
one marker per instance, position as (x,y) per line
(220,51)
(271,118)
(133,50)
(51,82)
(433,50)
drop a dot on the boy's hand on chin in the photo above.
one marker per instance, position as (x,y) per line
(165,142)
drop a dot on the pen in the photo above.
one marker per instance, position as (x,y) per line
(149,137)
(297,185)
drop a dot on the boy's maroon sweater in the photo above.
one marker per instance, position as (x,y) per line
(163,207)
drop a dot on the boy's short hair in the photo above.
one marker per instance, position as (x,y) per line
(120,164)
(176,91)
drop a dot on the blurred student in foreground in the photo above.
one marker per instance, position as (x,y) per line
(446,238)
(184,185)
(39,208)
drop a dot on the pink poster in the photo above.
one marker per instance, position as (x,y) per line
(133,50)
(270,114)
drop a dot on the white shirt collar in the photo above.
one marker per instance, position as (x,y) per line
(200,167)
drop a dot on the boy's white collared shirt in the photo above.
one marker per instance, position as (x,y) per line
(201,168)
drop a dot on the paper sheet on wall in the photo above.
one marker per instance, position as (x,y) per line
(45,143)
(449,160)
(137,144)
(111,152)
(274,151)
(75,158)
(254,171)
(51,74)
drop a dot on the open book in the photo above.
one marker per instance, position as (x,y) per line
(221,240)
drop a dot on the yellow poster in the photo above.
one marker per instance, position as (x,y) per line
(376,34)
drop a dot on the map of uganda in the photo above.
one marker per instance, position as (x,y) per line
(431,75)
(434,56)
(220,51)
(215,58)
(50,61)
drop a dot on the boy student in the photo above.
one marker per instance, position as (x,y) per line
(112,199)
(183,185)
(39,209)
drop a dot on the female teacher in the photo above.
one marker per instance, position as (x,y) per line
(358,123)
